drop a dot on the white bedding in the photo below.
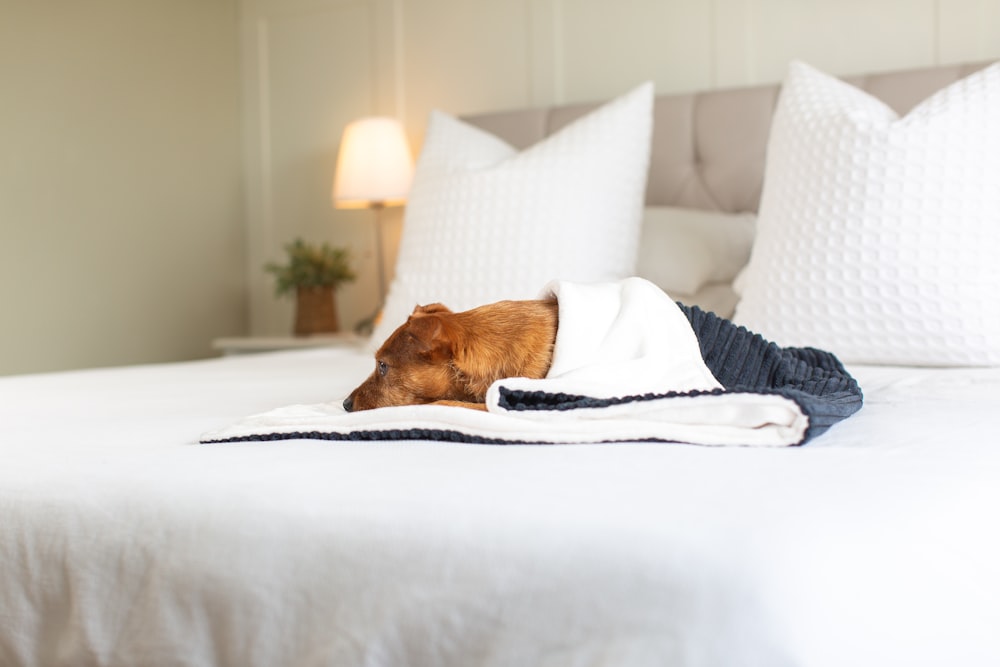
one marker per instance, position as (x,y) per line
(122,542)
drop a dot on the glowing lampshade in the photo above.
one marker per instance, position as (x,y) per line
(374,166)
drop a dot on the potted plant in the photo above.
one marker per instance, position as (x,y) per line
(312,273)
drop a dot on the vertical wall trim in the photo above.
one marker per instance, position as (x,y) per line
(374,45)
(532,60)
(986,47)
(399,60)
(558,53)
(264,134)
(936,46)
(732,56)
(752,66)
(541,74)
(713,37)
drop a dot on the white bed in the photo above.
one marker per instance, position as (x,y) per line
(125,542)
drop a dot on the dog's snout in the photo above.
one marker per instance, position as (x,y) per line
(348,403)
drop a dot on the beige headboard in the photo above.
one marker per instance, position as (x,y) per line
(708,147)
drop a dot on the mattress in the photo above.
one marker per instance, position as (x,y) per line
(124,542)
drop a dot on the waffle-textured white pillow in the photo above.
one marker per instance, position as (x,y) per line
(485,222)
(878,237)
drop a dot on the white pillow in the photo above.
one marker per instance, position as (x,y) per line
(485,222)
(683,250)
(878,237)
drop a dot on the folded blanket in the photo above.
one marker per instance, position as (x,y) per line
(629,365)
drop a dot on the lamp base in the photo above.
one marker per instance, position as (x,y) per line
(366,326)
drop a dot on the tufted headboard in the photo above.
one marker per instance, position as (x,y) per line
(708,147)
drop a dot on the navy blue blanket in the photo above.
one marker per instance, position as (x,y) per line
(743,362)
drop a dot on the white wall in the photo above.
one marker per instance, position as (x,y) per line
(311,66)
(121,230)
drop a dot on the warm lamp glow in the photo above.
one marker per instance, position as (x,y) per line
(374,166)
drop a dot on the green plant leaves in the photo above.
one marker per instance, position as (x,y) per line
(310,265)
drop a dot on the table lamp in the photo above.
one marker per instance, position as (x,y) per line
(374,170)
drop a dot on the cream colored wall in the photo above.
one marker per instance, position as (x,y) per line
(121,231)
(311,66)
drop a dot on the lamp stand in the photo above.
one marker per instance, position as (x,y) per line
(367,325)
(378,207)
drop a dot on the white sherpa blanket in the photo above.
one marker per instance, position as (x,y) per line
(626,367)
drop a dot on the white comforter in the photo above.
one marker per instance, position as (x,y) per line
(122,542)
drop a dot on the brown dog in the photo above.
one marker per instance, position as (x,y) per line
(439,356)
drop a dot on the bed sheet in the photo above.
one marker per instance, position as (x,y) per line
(123,542)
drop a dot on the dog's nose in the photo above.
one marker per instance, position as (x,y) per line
(348,404)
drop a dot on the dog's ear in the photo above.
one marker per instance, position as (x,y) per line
(430,309)
(431,334)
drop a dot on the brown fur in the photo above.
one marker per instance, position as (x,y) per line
(439,356)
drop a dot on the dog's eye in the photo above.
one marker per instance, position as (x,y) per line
(382,368)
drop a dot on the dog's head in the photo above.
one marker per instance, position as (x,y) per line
(413,366)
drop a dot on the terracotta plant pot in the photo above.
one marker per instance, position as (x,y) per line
(315,311)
